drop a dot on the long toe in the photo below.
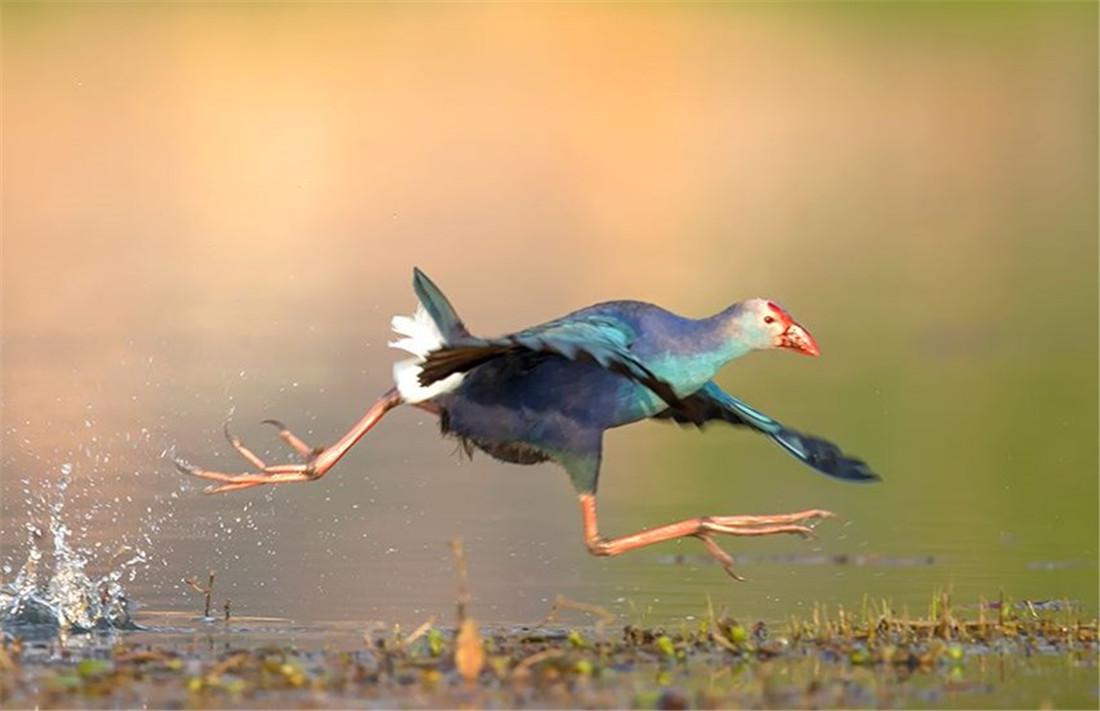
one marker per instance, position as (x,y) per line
(715,526)
(292,440)
(808,516)
(224,488)
(724,559)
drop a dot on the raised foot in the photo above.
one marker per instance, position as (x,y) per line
(279,474)
(767,525)
(266,474)
(317,460)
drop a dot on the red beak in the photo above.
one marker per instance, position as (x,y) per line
(796,338)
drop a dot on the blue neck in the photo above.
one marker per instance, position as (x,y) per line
(702,347)
(725,337)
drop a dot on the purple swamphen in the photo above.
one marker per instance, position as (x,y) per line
(549,392)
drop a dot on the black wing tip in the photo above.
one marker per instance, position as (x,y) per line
(825,457)
(858,475)
(846,469)
(851,469)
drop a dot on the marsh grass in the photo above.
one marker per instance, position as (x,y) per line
(714,661)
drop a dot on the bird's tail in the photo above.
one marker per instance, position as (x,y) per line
(434,325)
(438,307)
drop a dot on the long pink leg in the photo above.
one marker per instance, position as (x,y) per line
(319,460)
(704,528)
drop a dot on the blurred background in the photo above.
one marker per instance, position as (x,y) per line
(212,211)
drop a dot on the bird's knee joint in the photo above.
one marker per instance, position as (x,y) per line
(598,546)
(706,525)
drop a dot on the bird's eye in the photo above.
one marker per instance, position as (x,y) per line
(769,319)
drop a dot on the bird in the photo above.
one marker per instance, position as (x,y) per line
(548,393)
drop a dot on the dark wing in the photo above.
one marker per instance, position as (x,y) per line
(711,403)
(596,338)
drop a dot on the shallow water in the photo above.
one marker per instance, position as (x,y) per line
(320,553)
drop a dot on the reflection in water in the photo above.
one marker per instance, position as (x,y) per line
(858,560)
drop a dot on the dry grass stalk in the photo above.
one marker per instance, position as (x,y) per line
(418,632)
(463,599)
(207,591)
(469,651)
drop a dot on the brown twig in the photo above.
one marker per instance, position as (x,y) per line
(208,591)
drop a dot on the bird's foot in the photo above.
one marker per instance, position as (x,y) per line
(765,525)
(266,474)
(317,460)
(292,440)
(278,474)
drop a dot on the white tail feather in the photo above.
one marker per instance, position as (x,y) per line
(421,337)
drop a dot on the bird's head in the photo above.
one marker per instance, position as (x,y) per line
(764,324)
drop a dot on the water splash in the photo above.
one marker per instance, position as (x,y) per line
(53,587)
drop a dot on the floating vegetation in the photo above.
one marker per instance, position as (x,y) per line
(834,657)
